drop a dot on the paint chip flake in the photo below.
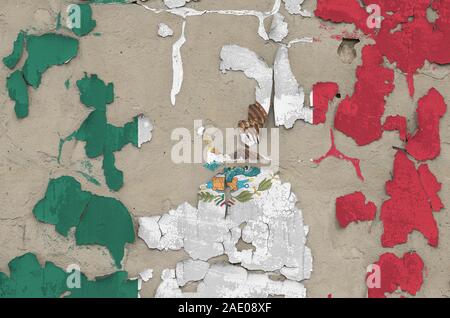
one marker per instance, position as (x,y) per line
(260,210)
(353,208)
(164,30)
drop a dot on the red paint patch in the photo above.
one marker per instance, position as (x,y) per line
(413,197)
(406,36)
(323,94)
(405,273)
(425,144)
(359,116)
(397,123)
(431,187)
(353,208)
(334,152)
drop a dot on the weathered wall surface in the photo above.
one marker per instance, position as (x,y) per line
(128,52)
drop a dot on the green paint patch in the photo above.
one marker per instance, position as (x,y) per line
(87,24)
(102,138)
(116,285)
(89,178)
(18,92)
(67,83)
(29,280)
(45,51)
(58,22)
(11,60)
(98,220)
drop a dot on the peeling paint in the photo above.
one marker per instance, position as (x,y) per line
(405,273)
(171,4)
(228,281)
(191,271)
(18,92)
(28,279)
(418,40)
(334,152)
(11,60)
(398,123)
(44,51)
(177,65)
(164,30)
(278,29)
(353,208)
(414,197)
(98,220)
(87,23)
(101,137)
(289,103)
(265,207)
(321,96)
(294,7)
(359,116)
(425,143)
(236,58)
(146,275)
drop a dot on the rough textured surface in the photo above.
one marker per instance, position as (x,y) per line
(228,281)
(98,220)
(28,279)
(130,54)
(266,218)
(404,273)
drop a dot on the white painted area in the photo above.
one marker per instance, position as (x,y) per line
(289,103)
(145,128)
(236,58)
(164,30)
(177,65)
(270,221)
(295,7)
(175,3)
(190,271)
(188,12)
(229,281)
(146,275)
(279,28)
